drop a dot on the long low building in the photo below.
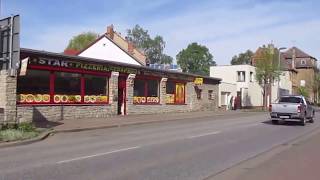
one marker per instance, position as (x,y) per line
(53,87)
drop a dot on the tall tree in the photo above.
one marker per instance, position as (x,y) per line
(267,70)
(82,40)
(195,59)
(242,58)
(152,47)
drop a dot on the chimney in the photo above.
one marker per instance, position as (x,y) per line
(130,47)
(110,32)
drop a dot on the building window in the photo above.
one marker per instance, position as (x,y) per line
(175,93)
(241,76)
(67,88)
(43,87)
(303,62)
(34,87)
(210,95)
(251,76)
(96,89)
(146,91)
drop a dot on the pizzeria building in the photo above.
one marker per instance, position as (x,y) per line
(53,87)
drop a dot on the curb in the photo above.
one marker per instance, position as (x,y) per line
(41,137)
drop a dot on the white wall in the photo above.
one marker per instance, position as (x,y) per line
(251,90)
(227,90)
(105,49)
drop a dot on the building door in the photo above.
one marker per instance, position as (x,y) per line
(122,96)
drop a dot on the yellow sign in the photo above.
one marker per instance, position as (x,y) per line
(198,81)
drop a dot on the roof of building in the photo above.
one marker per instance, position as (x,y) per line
(298,53)
(128,47)
(112,62)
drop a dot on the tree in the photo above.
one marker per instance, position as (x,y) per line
(316,85)
(153,48)
(267,70)
(242,58)
(82,40)
(303,91)
(195,59)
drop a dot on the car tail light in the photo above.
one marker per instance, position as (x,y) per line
(270,108)
(299,108)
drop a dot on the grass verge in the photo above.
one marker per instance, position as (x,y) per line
(17,132)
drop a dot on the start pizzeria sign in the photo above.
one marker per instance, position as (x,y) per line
(81,65)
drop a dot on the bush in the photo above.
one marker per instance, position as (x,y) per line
(26,127)
(13,132)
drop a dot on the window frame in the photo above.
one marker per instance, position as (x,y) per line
(52,78)
(145,80)
(242,74)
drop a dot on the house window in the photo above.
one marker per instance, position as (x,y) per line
(210,95)
(146,91)
(251,76)
(175,93)
(303,62)
(241,76)
(34,87)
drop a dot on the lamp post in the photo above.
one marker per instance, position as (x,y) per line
(279,66)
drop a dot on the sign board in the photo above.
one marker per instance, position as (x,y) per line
(198,81)
(10,42)
(81,65)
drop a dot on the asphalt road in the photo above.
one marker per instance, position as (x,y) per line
(187,150)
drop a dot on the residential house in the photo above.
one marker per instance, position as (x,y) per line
(305,66)
(113,47)
(238,81)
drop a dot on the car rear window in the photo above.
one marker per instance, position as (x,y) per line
(290,100)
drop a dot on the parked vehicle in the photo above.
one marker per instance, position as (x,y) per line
(292,108)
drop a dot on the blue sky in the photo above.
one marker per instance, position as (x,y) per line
(226,27)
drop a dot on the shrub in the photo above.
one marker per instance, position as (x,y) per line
(26,127)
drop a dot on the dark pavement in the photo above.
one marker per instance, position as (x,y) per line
(195,148)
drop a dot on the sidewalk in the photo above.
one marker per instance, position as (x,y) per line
(99,123)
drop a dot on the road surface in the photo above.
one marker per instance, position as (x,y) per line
(187,149)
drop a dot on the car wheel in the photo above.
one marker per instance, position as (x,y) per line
(311,119)
(275,122)
(303,121)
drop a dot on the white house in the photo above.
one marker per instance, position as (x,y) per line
(113,47)
(239,80)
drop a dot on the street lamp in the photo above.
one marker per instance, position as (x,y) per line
(279,66)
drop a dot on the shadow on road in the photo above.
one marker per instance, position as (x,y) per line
(284,123)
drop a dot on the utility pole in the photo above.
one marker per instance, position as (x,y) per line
(279,67)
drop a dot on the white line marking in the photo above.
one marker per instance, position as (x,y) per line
(201,135)
(95,155)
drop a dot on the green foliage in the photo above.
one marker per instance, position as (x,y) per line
(13,132)
(267,70)
(242,58)
(27,127)
(153,48)
(82,40)
(195,59)
(303,91)
(267,67)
